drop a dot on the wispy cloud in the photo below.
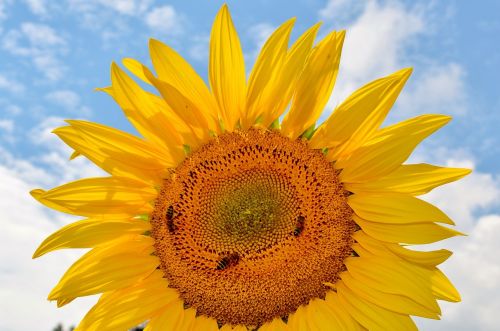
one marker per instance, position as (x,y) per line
(23,232)
(258,33)
(126,7)
(7,130)
(38,7)
(39,43)
(441,88)
(26,282)
(375,43)
(10,85)
(164,20)
(473,268)
(70,101)
(3,10)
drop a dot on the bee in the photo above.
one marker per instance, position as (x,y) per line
(170,219)
(228,261)
(299,226)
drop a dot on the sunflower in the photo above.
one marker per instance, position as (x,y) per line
(235,212)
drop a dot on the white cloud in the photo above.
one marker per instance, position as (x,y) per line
(7,125)
(13,110)
(375,44)
(10,85)
(54,154)
(164,20)
(70,101)
(474,268)
(26,282)
(38,7)
(7,130)
(124,7)
(39,43)
(381,38)
(199,48)
(111,20)
(440,89)
(464,199)
(341,11)
(65,98)
(3,13)
(127,7)
(259,34)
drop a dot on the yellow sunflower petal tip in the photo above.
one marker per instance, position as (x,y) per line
(37,193)
(404,73)
(330,285)
(154,43)
(107,89)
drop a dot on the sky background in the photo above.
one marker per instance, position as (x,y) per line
(54,53)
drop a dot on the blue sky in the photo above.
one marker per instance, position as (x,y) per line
(53,55)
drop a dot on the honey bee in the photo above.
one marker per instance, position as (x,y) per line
(170,219)
(299,226)
(228,261)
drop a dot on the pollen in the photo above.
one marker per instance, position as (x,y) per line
(251,226)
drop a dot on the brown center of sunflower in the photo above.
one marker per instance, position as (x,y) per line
(251,226)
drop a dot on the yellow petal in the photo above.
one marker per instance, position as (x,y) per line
(358,118)
(342,315)
(202,323)
(227,69)
(127,143)
(416,233)
(64,301)
(321,316)
(314,86)
(74,155)
(426,259)
(136,68)
(178,73)
(372,316)
(128,307)
(286,83)
(414,179)
(393,276)
(276,324)
(396,208)
(265,75)
(442,288)
(396,303)
(433,279)
(117,152)
(163,109)
(149,120)
(188,319)
(186,110)
(113,196)
(299,320)
(229,327)
(168,318)
(90,233)
(388,149)
(111,266)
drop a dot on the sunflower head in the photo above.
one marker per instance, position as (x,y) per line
(234,210)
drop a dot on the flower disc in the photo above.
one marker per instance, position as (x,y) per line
(251,226)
